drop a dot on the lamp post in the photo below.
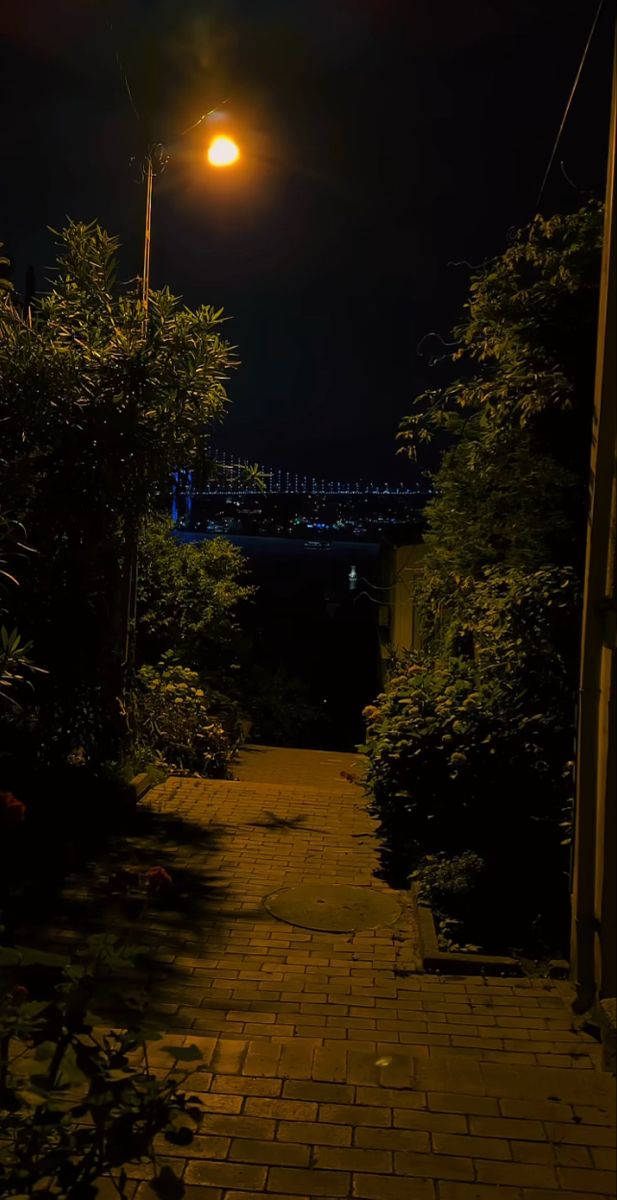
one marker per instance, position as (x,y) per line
(222,152)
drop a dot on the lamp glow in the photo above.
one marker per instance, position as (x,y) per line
(222,152)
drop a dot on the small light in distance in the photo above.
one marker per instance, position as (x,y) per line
(222,151)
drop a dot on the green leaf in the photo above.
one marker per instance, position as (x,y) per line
(41,958)
(9,957)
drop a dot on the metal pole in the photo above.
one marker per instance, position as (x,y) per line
(131,554)
(591,953)
(147,240)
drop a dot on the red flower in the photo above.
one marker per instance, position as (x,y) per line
(19,994)
(12,811)
(157,879)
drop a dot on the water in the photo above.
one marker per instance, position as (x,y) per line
(307,624)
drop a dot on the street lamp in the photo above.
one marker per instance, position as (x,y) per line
(222,151)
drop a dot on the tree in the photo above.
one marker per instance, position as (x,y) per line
(511,487)
(95,418)
(474,734)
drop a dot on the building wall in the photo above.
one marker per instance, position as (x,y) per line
(399,618)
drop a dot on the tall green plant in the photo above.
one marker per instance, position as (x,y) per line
(473,734)
(95,417)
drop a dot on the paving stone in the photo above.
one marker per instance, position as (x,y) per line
(593,1182)
(349,1114)
(260,1196)
(281,1110)
(219,1103)
(383,1187)
(409,1118)
(146,1192)
(478,1191)
(242,1126)
(200,1147)
(241,1085)
(228,1057)
(390,1097)
(330,1063)
(545,1194)
(501,1127)
(572,1156)
(603,1158)
(268,1152)
(534,1152)
(227,1174)
(297,1057)
(339,1158)
(516,1174)
(478,1105)
(538,1110)
(392,1139)
(582,1135)
(315,1133)
(313,1183)
(433,1166)
(297,1089)
(474,1147)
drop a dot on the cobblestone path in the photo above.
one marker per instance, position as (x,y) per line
(331,1067)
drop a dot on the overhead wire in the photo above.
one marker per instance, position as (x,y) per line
(568,106)
(123,72)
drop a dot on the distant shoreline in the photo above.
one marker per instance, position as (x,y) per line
(288,544)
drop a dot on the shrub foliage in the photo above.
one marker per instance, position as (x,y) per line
(469,745)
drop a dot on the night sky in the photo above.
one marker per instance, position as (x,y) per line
(382,139)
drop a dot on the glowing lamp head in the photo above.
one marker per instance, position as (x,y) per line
(222,151)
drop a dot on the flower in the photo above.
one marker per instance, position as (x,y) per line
(157,879)
(19,994)
(12,811)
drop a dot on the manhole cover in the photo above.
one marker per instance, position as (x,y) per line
(334,908)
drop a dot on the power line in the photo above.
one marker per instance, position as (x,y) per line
(121,68)
(569,103)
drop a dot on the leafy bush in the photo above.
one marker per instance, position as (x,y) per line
(449,885)
(78,1104)
(447,752)
(174,717)
(96,413)
(459,758)
(469,744)
(188,597)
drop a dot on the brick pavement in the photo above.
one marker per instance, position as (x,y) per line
(330,1066)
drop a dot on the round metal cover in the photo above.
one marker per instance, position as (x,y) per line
(334,908)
